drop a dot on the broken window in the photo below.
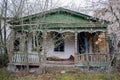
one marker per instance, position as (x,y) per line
(17,41)
(59,42)
(37,41)
(16,44)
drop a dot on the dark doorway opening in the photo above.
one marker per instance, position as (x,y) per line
(83,42)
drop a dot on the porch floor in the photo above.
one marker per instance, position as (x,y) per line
(48,63)
(92,65)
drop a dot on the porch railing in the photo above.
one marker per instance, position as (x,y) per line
(21,58)
(93,58)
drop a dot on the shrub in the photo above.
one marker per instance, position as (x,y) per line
(3,60)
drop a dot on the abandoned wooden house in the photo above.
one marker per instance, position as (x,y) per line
(59,36)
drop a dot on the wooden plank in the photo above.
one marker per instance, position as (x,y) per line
(24,64)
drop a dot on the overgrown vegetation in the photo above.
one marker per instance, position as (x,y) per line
(3,60)
(5,75)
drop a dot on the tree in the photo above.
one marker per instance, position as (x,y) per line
(3,16)
(112,14)
(6,7)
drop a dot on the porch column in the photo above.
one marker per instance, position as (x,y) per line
(29,42)
(107,43)
(90,45)
(44,46)
(12,47)
(86,45)
(76,49)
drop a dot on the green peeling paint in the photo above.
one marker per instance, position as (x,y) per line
(59,19)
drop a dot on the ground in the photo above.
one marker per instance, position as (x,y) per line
(70,75)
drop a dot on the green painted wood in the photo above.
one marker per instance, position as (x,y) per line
(92,64)
(57,10)
(62,17)
(58,27)
(59,15)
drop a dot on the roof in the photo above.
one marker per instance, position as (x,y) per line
(58,10)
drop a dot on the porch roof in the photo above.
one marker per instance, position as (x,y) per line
(58,18)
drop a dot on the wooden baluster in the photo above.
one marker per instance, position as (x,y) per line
(33,59)
(104,58)
(91,59)
(100,58)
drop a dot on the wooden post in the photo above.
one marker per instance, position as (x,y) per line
(90,45)
(12,47)
(107,47)
(25,40)
(43,66)
(107,43)
(86,45)
(44,45)
(76,49)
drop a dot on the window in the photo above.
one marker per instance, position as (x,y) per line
(37,41)
(17,44)
(59,42)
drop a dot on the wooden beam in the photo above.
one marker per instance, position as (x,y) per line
(93,24)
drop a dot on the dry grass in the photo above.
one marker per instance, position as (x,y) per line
(68,76)
(5,75)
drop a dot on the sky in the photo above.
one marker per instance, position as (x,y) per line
(65,2)
(76,2)
(85,6)
(81,3)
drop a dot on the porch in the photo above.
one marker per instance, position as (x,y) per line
(79,49)
(86,49)
(94,60)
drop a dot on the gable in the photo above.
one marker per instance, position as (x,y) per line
(59,18)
